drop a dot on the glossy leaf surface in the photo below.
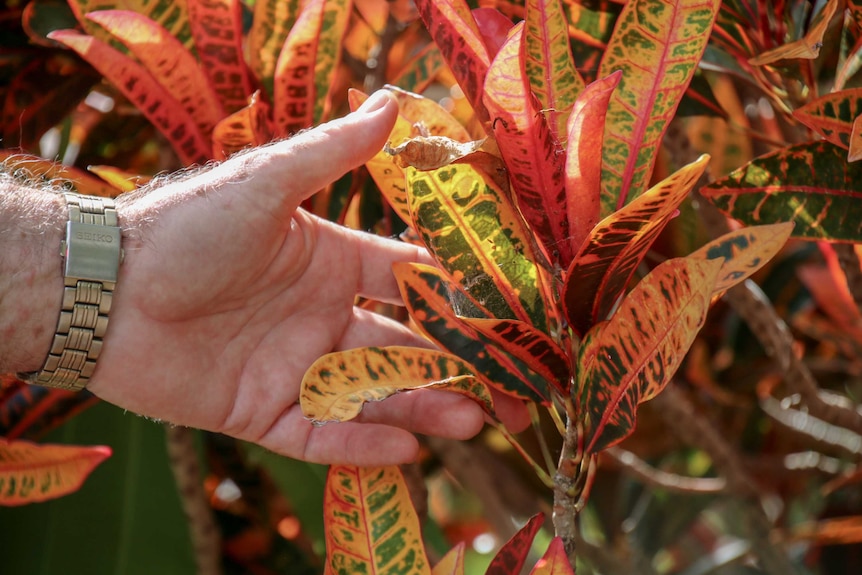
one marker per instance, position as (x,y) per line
(30,473)
(606,261)
(643,344)
(166,114)
(421,70)
(531,154)
(554,561)
(438,307)
(371,525)
(247,127)
(513,554)
(217,30)
(337,385)
(295,90)
(807,47)
(333,23)
(171,14)
(811,185)
(549,65)
(585,134)
(832,116)
(657,44)
(272,22)
(174,67)
(477,235)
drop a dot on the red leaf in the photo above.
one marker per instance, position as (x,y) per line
(513,553)
(554,561)
(494,27)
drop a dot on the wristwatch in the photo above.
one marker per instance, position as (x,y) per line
(91,256)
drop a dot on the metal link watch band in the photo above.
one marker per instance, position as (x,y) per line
(92,256)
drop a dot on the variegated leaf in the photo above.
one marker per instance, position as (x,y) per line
(217,30)
(30,473)
(370,523)
(807,47)
(328,54)
(744,251)
(171,14)
(534,159)
(478,237)
(811,185)
(272,22)
(513,554)
(295,87)
(549,65)
(35,168)
(657,44)
(139,86)
(643,344)
(452,563)
(427,115)
(338,384)
(119,179)
(421,70)
(438,306)
(606,261)
(174,67)
(554,561)
(585,134)
(832,116)
(244,128)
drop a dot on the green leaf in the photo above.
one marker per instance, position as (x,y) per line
(642,345)
(811,185)
(421,70)
(436,305)
(535,161)
(657,44)
(832,115)
(371,525)
(333,24)
(172,15)
(606,261)
(478,237)
(337,385)
(549,65)
(272,22)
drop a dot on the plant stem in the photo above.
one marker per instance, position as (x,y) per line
(565,490)
(662,479)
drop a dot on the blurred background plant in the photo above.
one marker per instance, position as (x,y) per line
(753,450)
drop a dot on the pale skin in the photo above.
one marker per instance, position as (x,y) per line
(229,292)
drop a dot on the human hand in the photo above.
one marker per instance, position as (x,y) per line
(229,292)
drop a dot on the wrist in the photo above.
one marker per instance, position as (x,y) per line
(31,278)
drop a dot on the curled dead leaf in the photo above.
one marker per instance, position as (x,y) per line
(431,152)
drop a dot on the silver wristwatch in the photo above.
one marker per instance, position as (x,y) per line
(91,255)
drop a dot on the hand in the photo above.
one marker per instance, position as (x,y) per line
(229,292)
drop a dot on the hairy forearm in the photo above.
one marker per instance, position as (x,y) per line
(31,281)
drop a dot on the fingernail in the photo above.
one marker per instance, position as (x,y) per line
(376,101)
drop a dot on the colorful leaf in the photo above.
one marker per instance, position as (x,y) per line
(833,115)
(217,30)
(170,14)
(513,554)
(534,159)
(494,27)
(548,62)
(585,134)
(270,27)
(333,23)
(433,118)
(807,47)
(478,237)
(40,169)
(643,344)
(421,70)
(431,152)
(174,67)
(606,261)
(744,251)
(139,86)
(452,563)
(811,185)
(455,32)
(657,44)
(438,306)
(120,179)
(30,473)
(554,561)
(295,72)
(337,385)
(245,128)
(371,524)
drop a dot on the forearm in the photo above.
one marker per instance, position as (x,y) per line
(31,281)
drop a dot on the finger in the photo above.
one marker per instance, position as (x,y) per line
(429,412)
(511,412)
(367,328)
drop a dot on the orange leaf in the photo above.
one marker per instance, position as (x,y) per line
(807,47)
(48,170)
(835,531)
(272,22)
(554,561)
(429,115)
(452,563)
(244,128)
(30,473)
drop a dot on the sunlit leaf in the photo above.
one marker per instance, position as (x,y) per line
(139,86)
(494,27)
(371,525)
(534,159)
(421,70)
(643,344)
(854,154)
(35,168)
(513,554)
(590,28)
(272,22)
(833,115)
(833,531)
(171,14)
(429,115)
(119,179)
(811,185)
(174,67)
(333,23)
(438,306)
(30,473)
(452,563)
(548,63)
(247,127)
(585,134)
(554,561)
(478,237)
(455,32)
(807,47)
(607,259)
(338,384)
(217,30)
(657,44)
(744,251)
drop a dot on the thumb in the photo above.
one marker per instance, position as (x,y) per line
(315,158)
